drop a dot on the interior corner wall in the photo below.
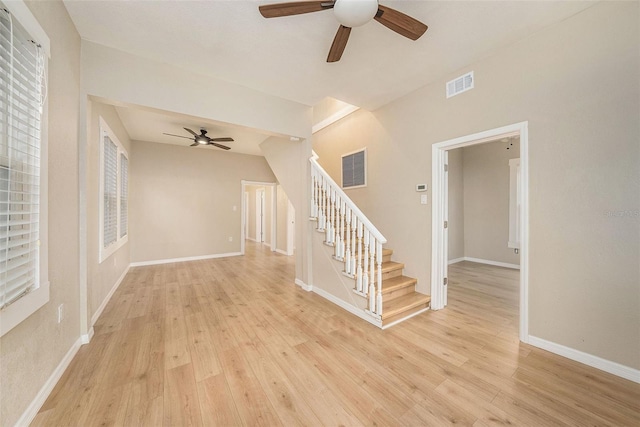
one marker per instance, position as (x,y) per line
(101,276)
(187,200)
(456,206)
(282,207)
(584,171)
(486,201)
(290,164)
(32,351)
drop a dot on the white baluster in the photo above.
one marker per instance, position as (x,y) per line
(379,260)
(359,283)
(354,224)
(341,230)
(372,287)
(347,258)
(365,259)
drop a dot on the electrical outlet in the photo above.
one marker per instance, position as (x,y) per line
(60,312)
(235,208)
(231,239)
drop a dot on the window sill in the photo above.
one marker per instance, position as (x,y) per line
(15,313)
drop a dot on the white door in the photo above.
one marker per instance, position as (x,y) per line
(260,216)
(246,214)
(291,228)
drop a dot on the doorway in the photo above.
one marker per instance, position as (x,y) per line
(440,215)
(260,216)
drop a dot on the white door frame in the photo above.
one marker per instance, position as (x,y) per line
(439,255)
(243,212)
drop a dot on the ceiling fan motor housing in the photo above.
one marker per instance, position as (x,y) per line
(354,13)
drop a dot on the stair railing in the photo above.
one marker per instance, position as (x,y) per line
(356,241)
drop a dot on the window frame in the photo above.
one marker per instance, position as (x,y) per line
(18,311)
(361,150)
(105,252)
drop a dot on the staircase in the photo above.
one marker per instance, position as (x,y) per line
(358,246)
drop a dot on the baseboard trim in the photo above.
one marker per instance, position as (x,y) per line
(614,368)
(185,259)
(456,260)
(303,285)
(31,412)
(86,338)
(486,261)
(350,308)
(280,251)
(251,238)
(106,300)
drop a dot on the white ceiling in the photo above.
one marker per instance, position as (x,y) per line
(150,125)
(286,56)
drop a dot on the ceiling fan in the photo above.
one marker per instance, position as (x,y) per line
(203,139)
(349,13)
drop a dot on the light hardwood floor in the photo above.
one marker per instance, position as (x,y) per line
(235,342)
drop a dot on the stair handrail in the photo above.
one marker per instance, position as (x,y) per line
(360,248)
(361,216)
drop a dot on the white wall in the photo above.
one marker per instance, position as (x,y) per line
(102,276)
(30,352)
(584,156)
(184,200)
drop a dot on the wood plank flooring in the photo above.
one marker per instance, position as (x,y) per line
(234,342)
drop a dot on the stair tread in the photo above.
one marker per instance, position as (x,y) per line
(403,303)
(398,282)
(391,265)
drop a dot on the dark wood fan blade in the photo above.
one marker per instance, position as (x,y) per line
(224,139)
(224,147)
(293,8)
(339,43)
(194,144)
(190,131)
(400,23)
(179,136)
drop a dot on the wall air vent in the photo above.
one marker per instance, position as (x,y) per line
(460,84)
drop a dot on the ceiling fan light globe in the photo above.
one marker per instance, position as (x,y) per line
(354,13)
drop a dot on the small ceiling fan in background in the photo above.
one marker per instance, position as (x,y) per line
(203,139)
(349,13)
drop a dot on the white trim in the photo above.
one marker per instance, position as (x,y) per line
(251,238)
(106,252)
(438,174)
(456,260)
(405,318)
(303,285)
(106,300)
(488,262)
(185,259)
(614,368)
(24,16)
(244,212)
(350,308)
(280,251)
(13,314)
(344,112)
(86,338)
(30,413)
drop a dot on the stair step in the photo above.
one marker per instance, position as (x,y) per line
(402,305)
(397,286)
(391,269)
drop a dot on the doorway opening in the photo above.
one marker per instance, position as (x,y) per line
(440,216)
(259,214)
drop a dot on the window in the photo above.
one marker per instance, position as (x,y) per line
(354,169)
(23,254)
(114,192)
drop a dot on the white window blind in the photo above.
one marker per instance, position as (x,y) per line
(114,192)
(354,170)
(22,76)
(110,191)
(124,194)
